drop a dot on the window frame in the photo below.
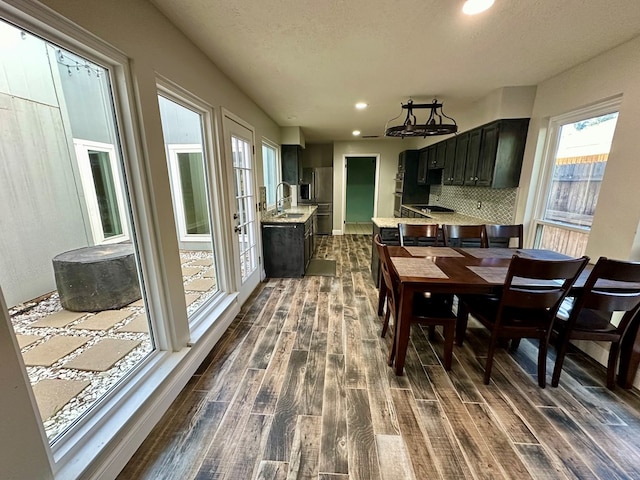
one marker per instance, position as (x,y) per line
(278,171)
(82,150)
(173,150)
(551,145)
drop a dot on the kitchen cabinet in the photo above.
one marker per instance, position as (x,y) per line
(440,155)
(287,248)
(454,169)
(291,159)
(495,154)
(430,165)
(473,157)
(423,166)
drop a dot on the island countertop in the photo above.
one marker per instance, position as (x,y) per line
(439,218)
(299,214)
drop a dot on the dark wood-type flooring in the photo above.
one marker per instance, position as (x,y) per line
(298,388)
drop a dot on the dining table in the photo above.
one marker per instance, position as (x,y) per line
(462,271)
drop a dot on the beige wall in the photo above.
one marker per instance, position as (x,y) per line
(615,225)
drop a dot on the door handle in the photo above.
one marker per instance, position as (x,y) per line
(237,229)
(236,216)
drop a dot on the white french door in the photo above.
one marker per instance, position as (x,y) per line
(239,148)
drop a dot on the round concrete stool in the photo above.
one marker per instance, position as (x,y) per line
(92,279)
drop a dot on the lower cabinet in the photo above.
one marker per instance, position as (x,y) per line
(287,248)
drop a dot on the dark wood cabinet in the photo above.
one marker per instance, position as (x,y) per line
(291,163)
(440,157)
(423,166)
(473,157)
(495,153)
(450,160)
(287,248)
(460,160)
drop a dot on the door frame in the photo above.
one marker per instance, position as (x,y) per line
(376,182)
(243,291)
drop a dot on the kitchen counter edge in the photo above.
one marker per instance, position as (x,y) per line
(439,218)
(306,210)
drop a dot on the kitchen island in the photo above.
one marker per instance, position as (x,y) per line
(288,241)
(387,227)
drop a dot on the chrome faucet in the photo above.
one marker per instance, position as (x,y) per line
(279,204)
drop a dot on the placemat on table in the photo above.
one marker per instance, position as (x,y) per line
(495,252)
(498,274)
(417,267)
(432,252)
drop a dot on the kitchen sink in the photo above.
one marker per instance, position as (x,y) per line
(290,215)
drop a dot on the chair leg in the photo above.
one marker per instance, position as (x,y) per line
(449,332)
(562,345)
(542,362)
(385,323)
(432,333)
(382,296)
(392,350)
(515,343)
(488,366)
(612,364)
(461,322)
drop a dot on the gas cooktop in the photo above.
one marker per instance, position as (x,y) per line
(433,208)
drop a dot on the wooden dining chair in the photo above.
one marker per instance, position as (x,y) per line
(501,235)
(612,286)
(424,311)
(465,236)
(526,308)
(418,235)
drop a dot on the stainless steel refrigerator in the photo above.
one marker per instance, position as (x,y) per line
(316,188)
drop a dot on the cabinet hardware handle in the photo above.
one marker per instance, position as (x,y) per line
(476,178)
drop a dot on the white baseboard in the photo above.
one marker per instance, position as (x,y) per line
(337,232)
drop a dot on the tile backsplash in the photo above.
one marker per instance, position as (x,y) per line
(496,205)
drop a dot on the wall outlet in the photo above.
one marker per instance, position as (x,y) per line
(479,206)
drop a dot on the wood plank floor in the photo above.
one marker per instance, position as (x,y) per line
(298,388)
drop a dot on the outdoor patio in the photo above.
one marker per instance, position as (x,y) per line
(74,358)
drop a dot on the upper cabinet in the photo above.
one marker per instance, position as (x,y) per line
(291,163)
(488,156)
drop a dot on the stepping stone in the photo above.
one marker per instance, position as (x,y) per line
(188,271)
(103,355)
(26,340)
(137,303)
(139,324)
(58,319)
(103,320)
(209,273)
(200,285)
(53,394)
(49,352)
(191,297)
(206,262)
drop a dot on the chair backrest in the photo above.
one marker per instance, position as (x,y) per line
(501,235)
(612,286)
(541,285)
(412,234)
(465,236)
(388,274)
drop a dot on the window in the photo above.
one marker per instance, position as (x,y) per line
(188,179)
(577,154)
(103,190)
(182,127)
(270,171)
(81,323)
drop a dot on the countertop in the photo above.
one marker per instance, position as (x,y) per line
(305,210)
(439,218)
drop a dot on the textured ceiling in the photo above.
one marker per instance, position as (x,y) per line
(307,62)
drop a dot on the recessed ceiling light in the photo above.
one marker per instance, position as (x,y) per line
(473,7)
(356,133)
(361,105)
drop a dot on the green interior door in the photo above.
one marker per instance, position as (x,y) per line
(361,175)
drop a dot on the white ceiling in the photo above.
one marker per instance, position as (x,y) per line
(307,62)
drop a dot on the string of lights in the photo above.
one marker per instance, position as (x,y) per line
(73,64)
